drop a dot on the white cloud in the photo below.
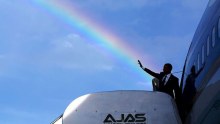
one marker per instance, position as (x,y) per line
(18,113)
(74,52)
(2,56)
(11,115)
(195,4)
(107,67)
(195,7)
(121,4)
(146,85)
(3,63)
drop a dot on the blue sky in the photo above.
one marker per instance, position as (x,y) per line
(45,63)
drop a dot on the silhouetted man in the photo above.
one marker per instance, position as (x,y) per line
(168,83)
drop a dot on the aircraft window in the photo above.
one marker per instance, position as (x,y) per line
(194,63)
(219,27)
(198,62)
(213,37)
(203,54)
(207,49)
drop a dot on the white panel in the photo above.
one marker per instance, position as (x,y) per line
(133,107)
(58,121)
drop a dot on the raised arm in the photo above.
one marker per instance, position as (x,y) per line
(156,75)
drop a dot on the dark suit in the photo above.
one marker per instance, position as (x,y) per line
(171,84)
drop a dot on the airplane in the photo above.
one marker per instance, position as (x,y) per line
(200,85)
(204,59)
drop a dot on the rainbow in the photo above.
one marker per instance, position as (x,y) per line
(96,33)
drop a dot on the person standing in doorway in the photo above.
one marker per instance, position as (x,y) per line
(168,83)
